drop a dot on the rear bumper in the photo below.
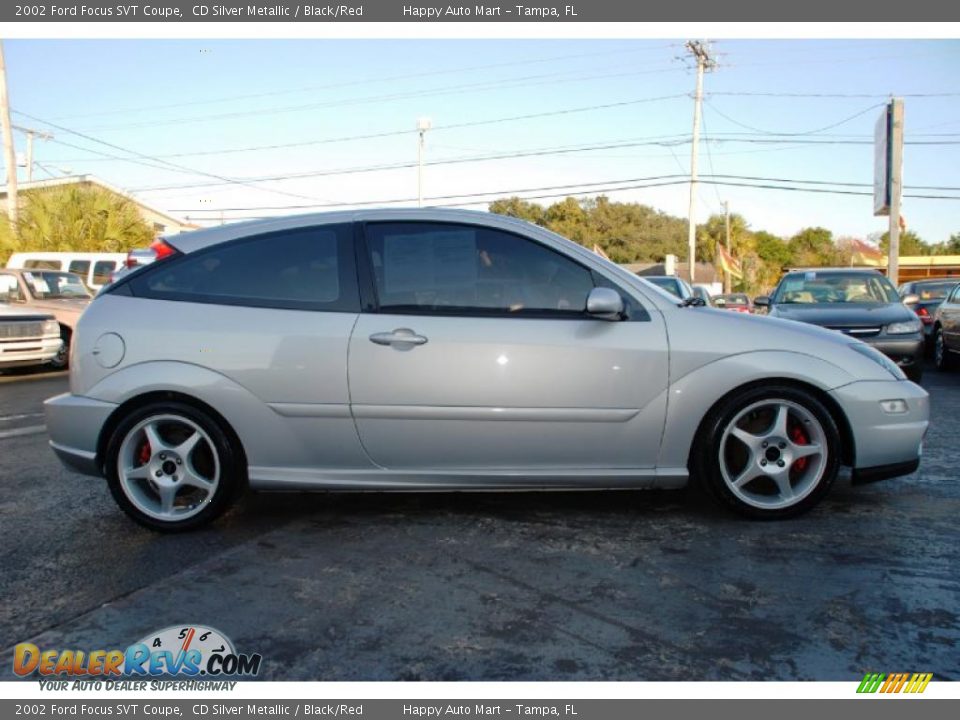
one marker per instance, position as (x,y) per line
(74,424)
(862,476)
(885,444)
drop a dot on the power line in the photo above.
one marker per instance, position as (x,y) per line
(407,131)
(571,193)
(539,152)
(722,180)
(354,83)
(171,165)
(868,96)
(547,78)
(794,134)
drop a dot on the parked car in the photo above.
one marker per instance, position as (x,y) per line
(738,302)
(61,294)
(861,303)
(482,352)
(676,287)
(924,297)
(946,331)
(135,258)
(704,294)
(26,337)
(94,267)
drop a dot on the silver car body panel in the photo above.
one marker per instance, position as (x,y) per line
(484,403)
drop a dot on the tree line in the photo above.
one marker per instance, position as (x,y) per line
(86,218)
(635,233)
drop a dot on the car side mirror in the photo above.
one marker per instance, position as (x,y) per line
(762,301)
(720,302)
(605,304)
(911,299)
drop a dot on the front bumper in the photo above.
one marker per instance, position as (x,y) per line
(885,444)
(74,424)
(23,353)
(905,351)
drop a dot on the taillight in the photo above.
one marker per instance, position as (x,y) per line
(161,249)
(924,315)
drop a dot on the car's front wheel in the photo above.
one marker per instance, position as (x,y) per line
(172,467)
(768,452)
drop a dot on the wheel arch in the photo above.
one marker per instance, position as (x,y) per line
(847,443)
(139,401)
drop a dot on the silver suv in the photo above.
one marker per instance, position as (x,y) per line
(453,350)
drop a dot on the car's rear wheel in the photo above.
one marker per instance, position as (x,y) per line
(172,467)
(769,452)
(942,357)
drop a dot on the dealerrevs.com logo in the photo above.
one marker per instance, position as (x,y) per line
(910,683)
(180,651)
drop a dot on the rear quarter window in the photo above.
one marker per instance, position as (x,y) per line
(304,269)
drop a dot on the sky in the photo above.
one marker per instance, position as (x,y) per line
(155,117)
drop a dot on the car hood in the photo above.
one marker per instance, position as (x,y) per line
(832,314)
(74,305)
(8,312)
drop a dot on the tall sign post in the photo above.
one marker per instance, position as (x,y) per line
(888,178)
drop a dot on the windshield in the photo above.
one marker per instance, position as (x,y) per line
(47,285)
(835,287)
(737,299)
(934,291)
(669,284)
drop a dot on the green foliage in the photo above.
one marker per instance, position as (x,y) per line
(910,244)
(80,218)
(8,240)
(950,246)
(773,254)
(813,247)
(627,232)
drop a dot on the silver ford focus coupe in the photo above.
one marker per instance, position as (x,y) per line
(454,350)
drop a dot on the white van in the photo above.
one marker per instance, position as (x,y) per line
(95,268)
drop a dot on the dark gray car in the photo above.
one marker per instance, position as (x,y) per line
(861,303)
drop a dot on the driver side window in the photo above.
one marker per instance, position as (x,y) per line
(446,268)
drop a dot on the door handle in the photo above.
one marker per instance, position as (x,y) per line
(400,336)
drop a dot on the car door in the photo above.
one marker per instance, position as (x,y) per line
(950,319)
(479,355)
(273,314)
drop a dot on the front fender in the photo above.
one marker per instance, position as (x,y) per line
(692,395)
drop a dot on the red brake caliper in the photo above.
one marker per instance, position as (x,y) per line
(799,437)
(144,455)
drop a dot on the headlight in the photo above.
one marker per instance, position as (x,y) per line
(51,327)
(902,328)
(879,358)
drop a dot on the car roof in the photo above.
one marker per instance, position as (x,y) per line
(196,239)
(866,271)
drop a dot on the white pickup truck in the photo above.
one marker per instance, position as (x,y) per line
(27,338)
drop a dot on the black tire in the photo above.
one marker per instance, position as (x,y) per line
(942,357)
(914,373)
(705,459)
(232,470)
(62,358)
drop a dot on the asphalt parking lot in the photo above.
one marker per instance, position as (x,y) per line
(495,586)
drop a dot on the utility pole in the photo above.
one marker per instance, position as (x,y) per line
(9,155)
(423,124)
(727,280)
(31,134)
(896,187)
(701,52)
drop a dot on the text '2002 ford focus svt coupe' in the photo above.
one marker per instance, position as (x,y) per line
(454,350)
